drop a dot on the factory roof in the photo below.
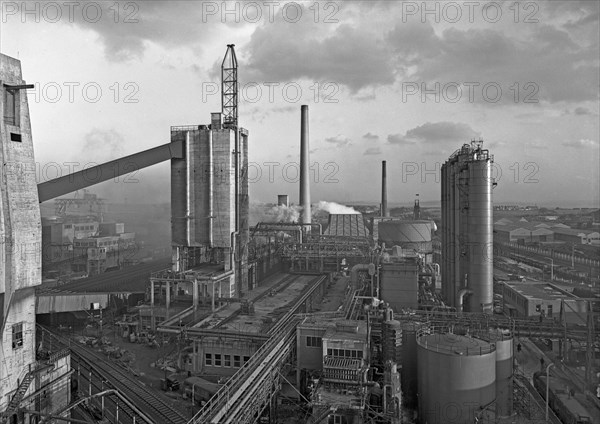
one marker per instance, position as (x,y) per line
(542,291)
(349,225)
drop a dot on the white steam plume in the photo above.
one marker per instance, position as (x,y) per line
(336,208)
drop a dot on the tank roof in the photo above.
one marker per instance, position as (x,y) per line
(450,343)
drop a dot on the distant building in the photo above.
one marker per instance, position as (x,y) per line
(526,299)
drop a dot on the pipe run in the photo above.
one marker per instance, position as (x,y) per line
(459,298)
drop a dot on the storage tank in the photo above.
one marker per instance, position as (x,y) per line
(412,235)
(456,377)
(504,371)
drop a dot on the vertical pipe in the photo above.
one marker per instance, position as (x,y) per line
(384,206)
(211,190)
(305,216)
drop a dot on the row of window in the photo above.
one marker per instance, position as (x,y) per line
(345,353)
(218,360)
(83,227)
(312,341)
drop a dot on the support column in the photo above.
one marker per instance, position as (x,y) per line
(168,297)
(195,294)
(152,293)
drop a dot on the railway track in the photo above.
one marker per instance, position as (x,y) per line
(145,399)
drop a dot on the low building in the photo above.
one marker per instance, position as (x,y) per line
(526,299)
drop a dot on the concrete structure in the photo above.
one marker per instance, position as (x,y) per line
(305,212)
(457,377)
(20,233)
(467,231)
(526,299)
(204,204)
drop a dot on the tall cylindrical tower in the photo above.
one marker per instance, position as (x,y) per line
(305,214)
(384,205)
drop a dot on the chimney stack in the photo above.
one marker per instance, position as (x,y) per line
(384,205)
(305,213)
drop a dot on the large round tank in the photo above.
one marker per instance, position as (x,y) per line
(504,372)
(456,376)
(407,234)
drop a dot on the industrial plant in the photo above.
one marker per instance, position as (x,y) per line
(424,315)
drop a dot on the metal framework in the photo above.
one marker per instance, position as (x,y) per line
(229,87)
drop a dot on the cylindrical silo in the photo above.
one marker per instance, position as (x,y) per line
(480,233)
(456,377)
(504,372)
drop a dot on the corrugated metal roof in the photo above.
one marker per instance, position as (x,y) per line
(348,225)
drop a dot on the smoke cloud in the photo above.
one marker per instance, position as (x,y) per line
(264,213)
(335,208)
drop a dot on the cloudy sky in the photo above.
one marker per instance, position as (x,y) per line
(407,82)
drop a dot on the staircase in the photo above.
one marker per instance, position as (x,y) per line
(18,396)
(33,369)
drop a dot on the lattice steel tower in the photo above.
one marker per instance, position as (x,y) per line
(229,87)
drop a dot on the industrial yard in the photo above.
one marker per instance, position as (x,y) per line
(206,305)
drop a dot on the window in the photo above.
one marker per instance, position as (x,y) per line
(11,107)
(227,361)
(329,352)
(359,354)
(246,359)
(312,341)
(208,359)
(217,359)
(236,361)
(17,335)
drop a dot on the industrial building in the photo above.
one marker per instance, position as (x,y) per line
(307,321)
(467,229)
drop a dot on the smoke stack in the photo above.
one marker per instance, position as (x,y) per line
(282,200)
(384,206)
(305,214)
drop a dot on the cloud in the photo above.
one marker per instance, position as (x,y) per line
(372,151)
(436,132)
(584,143)
(398,139)
(370,137)
(126,28)
(347,54)
(580,110)
(338,140)
(543,56)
